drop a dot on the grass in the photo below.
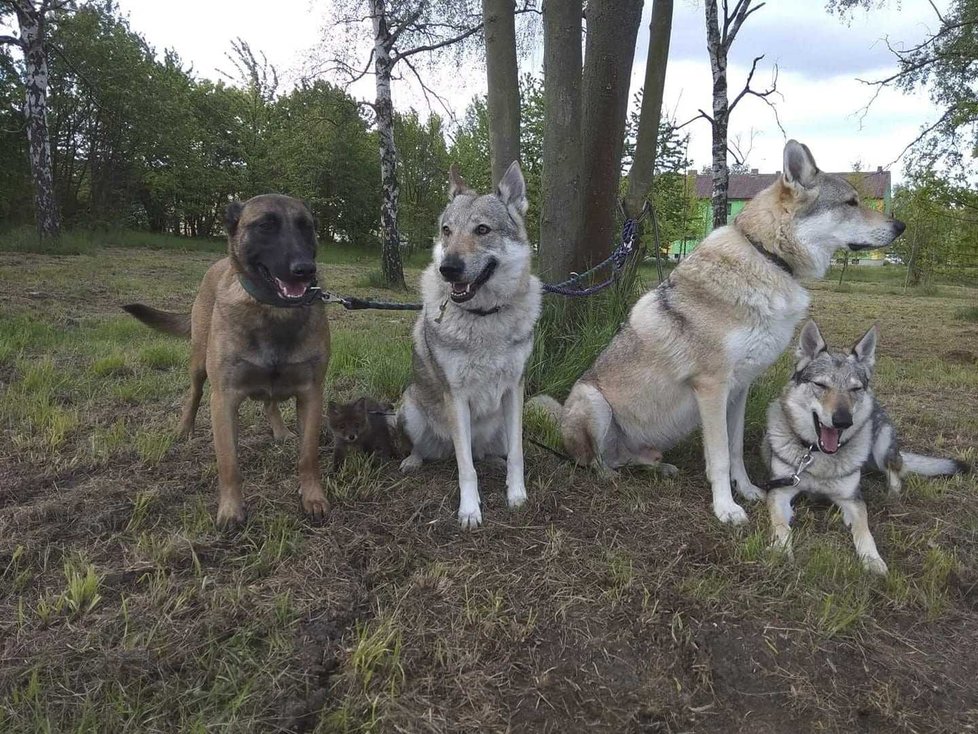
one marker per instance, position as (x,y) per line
(616,605)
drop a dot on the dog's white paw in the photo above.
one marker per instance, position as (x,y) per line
(469,517)
(874,564)
(516,495)
(731,514)
(748,490)
(411,463)
(782,546)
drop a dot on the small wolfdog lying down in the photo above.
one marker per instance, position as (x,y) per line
(824,429)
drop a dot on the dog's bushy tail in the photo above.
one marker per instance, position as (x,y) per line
(177,324)
(548,405)
(931,466)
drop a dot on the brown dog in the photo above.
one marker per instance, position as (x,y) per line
(257,330)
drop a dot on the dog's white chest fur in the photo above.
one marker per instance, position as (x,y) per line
(755,346)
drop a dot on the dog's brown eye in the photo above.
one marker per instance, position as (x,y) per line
(821,385)
(482,229)
(857,388)
(445,230)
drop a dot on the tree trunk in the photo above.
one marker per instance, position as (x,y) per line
(612,27)
(717,47)
(647,140)
(504,85)
(31,24)
(561,216)
(391,267)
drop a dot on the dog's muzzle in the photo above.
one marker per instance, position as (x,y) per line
(463,291)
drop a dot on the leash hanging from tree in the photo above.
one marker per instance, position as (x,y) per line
(617,260)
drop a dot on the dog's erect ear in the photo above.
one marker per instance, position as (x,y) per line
(456,184)
(512,188)
(231,216)
(864,350)
(810,344)
(799,164)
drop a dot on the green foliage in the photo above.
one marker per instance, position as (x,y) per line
(941,233)
(423,172)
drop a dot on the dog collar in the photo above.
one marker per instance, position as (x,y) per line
(312,294)
(774,258)
(473,311)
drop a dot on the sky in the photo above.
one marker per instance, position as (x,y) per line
(820,61)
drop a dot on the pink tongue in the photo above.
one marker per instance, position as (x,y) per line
(828,439)
(291,289)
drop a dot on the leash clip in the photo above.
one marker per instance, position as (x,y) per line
(805,462)
(326,296)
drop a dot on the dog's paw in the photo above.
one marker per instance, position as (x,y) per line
(874,564)
(668,470)
(731,514)
(781,545)
(469,517)
(516,495)
(230,515)
(411,463)
(748,490)
(282,434)
(314,503)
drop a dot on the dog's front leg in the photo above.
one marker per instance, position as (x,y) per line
(711,397)
(224,423)
(513,419)
(309,407)
(469,513)
(779,508)
(855,516)
(735,431)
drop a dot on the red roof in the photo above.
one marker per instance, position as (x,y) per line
(875,184)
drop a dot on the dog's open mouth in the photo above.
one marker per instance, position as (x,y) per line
(465,291)
(828,436)
(289,290)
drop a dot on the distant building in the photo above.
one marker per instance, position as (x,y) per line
(873,187)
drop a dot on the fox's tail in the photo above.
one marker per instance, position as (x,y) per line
(931,466)
(177,324)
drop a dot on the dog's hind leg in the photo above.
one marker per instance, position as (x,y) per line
(736,410)
(224,424)
(712,393)
(513,419)
(586,421)
(309,407)
(198,375)
(855,516)
(280,431)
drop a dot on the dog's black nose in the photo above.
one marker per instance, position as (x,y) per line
(451,268)
(899,226)
(303,268)
(841,419)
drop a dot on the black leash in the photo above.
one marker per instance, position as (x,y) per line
(552,450)
(795,478)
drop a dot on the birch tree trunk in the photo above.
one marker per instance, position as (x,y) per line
(612,27)
(391,267)
(31,23)
(561,217)
(504,91)
(721,114)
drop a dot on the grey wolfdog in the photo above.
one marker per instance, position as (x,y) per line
(825,428)
(692,347)
(472,340)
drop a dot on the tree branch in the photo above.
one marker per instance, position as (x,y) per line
(435,46)
(426,90)
(702,115)
(11,41)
